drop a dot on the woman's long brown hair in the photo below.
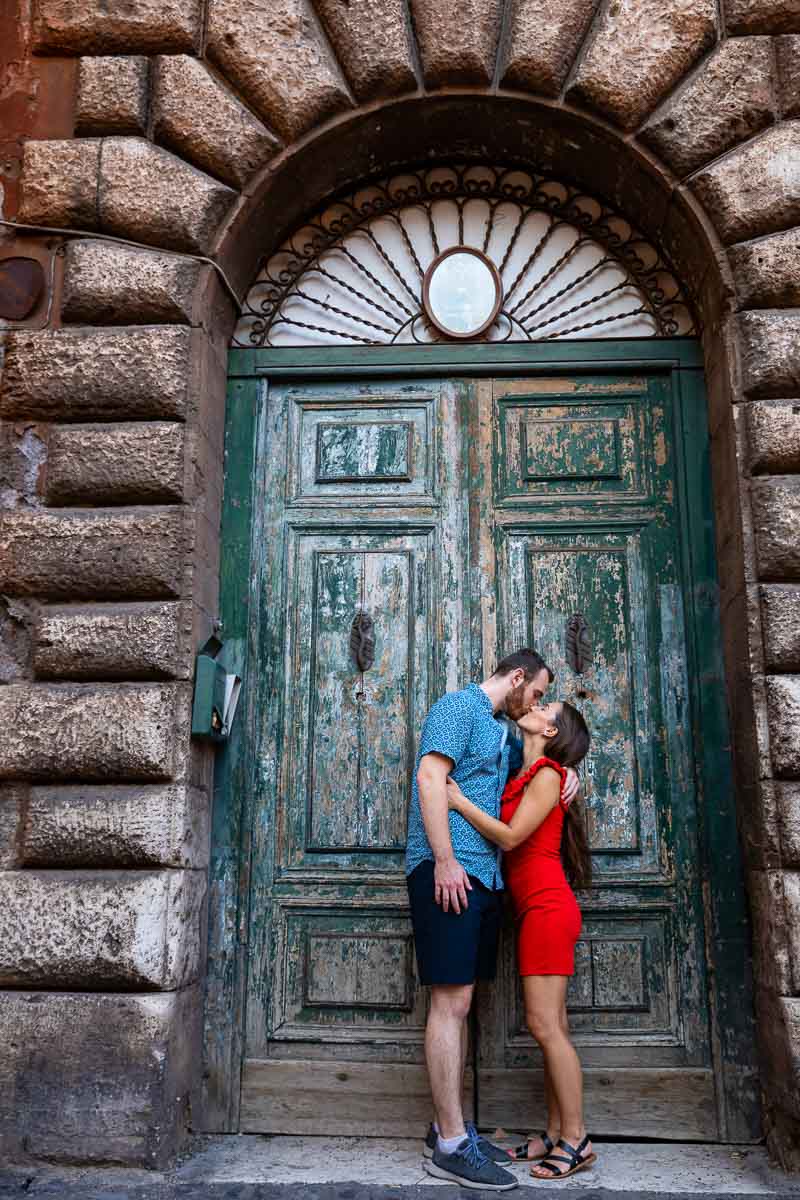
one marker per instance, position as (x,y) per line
(569,747)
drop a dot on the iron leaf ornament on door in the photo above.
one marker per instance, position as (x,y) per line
(578,644)
(362,640)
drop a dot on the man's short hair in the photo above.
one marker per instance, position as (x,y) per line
(526,659)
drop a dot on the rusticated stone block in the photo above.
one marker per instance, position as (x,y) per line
(100,929)
(780,623)
(59,183)
(762,16)
(783,707)
(457,51)
(151,196)
(773,437)
(755,189)
(638,52)
(124,1062)
(135,554)
(275,53)
(787,60)
(63,731)
(729,100)
(202,121)
(544,40)
(107,284)
(778,1020)
(138,463)
(97,27)
(114,641)
(770,353)
(108,374)
(112,95)
(791,892)
(787,799)
(372,42)
(767,271)
(770,942)
(104,825)
(776,521)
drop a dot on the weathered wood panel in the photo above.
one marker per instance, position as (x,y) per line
(672,1104)
(343,1099)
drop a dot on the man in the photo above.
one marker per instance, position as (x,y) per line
(454,885)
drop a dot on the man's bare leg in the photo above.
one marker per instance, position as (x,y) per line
(445,1043)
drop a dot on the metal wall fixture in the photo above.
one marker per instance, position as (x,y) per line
(466,252)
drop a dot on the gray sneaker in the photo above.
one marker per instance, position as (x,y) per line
(496,1154)
(470,1167)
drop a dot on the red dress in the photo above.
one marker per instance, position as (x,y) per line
(547,913)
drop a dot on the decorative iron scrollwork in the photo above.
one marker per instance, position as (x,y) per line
(362,640)
(578,644)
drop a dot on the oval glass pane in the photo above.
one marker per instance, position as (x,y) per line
(462,293)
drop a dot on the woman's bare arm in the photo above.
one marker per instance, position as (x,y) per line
(538,800)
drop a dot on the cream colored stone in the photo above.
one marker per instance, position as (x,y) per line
(100,27)
(276,54)
(638,51)
(152,196)
(112,95)
(59,183)
(783,704)
(138,463)
(100,929)
(200,119)
(776,521)
(103,554)
(106,825)
(773,437)
(762,16)
(109,284)
(767,271)
(372,39)
(756,188)
(103,373)
(96,1078)
(544,39)
(787,60)
(729,100)
(114,641)
(770,351)
(770,942)
(85,731)
(461,50)
(780,622)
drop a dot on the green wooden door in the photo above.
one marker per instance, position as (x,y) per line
(465,516)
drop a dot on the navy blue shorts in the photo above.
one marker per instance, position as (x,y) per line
(454,948)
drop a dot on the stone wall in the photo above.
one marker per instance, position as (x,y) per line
(205,127)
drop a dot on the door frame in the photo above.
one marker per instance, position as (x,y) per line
(727,936)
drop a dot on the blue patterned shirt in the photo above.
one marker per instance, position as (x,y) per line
(462,726)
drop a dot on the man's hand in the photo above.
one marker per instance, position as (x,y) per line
(450,885)
(571,786)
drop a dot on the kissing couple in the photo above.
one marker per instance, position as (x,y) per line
(485,805)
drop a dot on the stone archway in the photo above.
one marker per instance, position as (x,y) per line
(210,135)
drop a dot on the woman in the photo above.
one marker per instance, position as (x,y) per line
(545,843)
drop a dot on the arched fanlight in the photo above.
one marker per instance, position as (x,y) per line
(465,252)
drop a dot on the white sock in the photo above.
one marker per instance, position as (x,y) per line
(450,1145)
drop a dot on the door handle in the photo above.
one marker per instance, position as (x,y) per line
(578,644)
(362,640)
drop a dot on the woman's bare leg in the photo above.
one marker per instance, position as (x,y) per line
(545,1004)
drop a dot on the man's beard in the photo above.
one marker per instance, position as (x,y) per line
(515,706)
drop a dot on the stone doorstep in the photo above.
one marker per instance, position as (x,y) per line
(251,1167)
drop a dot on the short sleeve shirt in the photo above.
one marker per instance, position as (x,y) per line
(462,726)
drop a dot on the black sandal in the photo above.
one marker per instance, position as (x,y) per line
(574,1161)
(521,1152)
